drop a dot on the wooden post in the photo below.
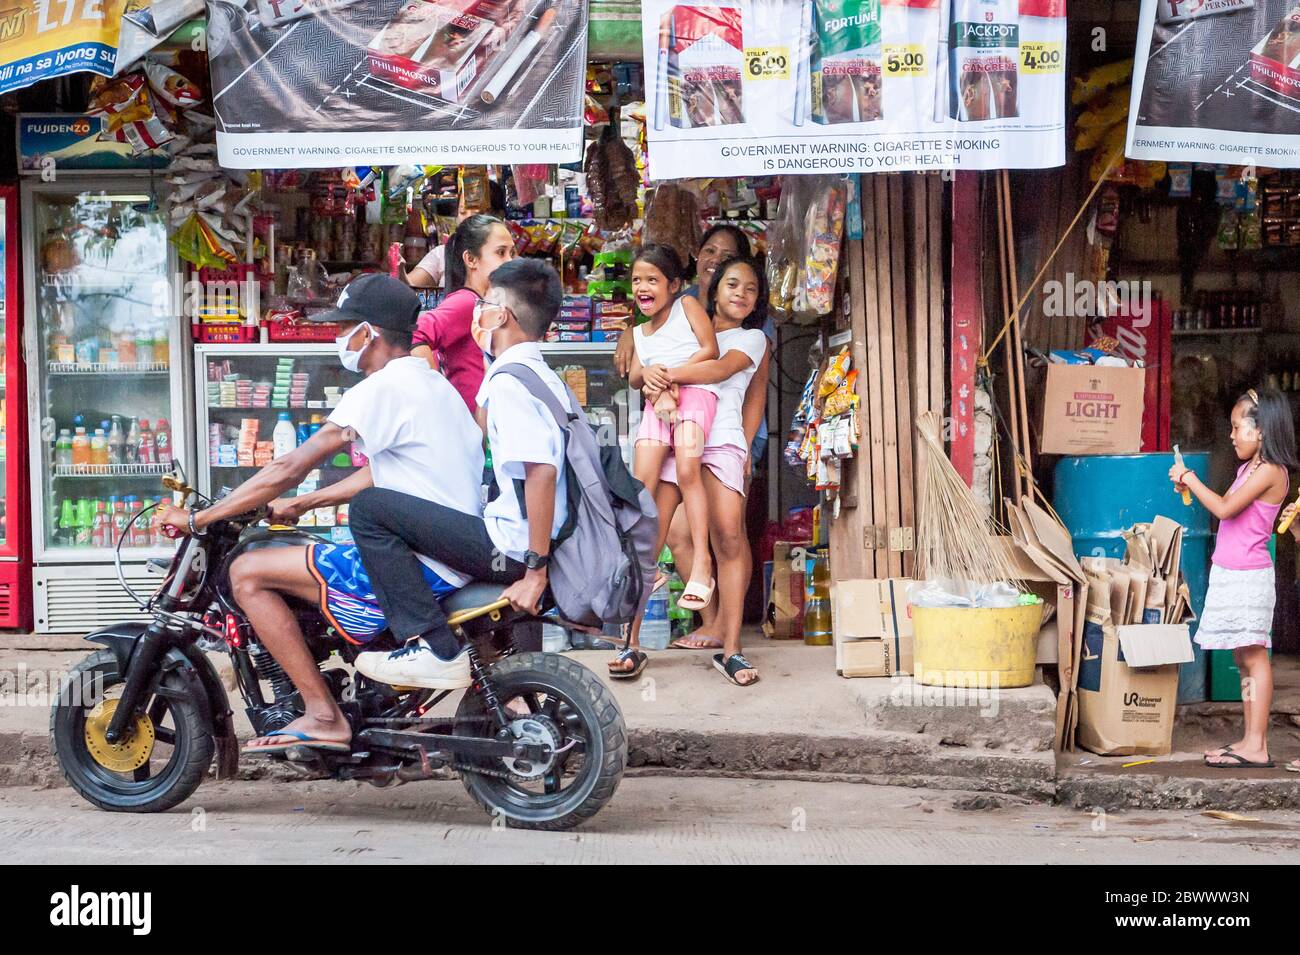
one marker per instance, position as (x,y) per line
(966,320)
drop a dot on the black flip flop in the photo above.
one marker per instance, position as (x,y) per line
(1241,762)
(639,661)
(733,665)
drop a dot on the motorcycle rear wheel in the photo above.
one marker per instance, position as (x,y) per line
(585,777)
(158,784)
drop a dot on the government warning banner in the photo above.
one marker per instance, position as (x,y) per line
(815,86)
(1217,81)
(320,83)
(42,39)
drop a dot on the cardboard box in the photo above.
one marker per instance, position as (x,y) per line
(785,601)
(873,627)
(1125,708)
(1091,410)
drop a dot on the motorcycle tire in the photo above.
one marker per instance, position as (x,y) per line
(587,704)
(192,748)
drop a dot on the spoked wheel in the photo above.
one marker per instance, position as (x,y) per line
(559,703)
(161,761)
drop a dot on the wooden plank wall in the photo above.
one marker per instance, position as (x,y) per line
(897,309)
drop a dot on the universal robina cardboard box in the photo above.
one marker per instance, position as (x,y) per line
(1128,687)
(873,627)
(1092,410)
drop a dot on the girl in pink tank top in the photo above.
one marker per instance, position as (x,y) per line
(1238,613)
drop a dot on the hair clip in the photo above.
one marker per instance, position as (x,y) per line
(1253,395)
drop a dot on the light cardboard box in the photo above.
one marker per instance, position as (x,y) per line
(1091,410)
(1128,687)
(873,627)
(785,600)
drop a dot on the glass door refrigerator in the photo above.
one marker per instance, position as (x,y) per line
(107,384)
(15,544)
(613,409)
(253,398)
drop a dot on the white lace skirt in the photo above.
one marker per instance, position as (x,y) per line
(1238,609)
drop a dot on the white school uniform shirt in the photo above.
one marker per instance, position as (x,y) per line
(521,430)
(671,346)
(420,439)
(728,421)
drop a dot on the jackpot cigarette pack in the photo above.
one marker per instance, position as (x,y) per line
(1275,60)
(441,47)
(704,55)
(984,52)
(845,61)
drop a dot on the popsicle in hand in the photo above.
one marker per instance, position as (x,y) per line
(1290,518)
(1182,488)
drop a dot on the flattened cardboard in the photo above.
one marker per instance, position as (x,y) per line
(1153,645)
(1053,538)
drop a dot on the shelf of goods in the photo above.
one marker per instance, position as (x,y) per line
(258,402)
(106,393)
(612,408)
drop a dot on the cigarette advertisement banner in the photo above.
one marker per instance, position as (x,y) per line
(42,39)
(1217,81)
(320,83)
(815,86)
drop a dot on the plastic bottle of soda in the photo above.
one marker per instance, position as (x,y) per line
(116,441)
(162,441)
(80,448)
(131,450)
(140,536)
(121,517)
(63,449)
(100,532)
(84,522)
(145,455)
(67,530)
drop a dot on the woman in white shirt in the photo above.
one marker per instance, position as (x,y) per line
(735,302)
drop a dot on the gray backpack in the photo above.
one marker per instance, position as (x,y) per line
(603,560)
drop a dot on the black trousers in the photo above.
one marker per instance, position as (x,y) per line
(390,528)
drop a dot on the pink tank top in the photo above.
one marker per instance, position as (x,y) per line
(1242,543)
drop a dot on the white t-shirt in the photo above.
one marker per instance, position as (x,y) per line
(521,430)
(419,437)
(435,263)
(671,346)
(728,422)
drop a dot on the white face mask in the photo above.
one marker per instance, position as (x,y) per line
(351,360)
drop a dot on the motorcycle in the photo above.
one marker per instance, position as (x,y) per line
(537,739)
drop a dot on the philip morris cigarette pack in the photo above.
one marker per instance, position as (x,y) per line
(705,54)
(845,61)
(983,54)
(435,46)
(1275,60)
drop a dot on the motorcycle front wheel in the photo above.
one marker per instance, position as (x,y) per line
(558,702)
(161,762)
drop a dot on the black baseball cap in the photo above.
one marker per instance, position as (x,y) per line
(379,299)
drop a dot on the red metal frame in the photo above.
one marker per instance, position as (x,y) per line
(16,549)
(967,319)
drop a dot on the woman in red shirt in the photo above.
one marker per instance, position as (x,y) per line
(475,249)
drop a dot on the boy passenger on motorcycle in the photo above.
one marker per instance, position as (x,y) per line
(419,438)
(511,543)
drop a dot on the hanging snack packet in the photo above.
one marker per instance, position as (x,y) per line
(983,51)
(845,61)
(171,86)
(703,54)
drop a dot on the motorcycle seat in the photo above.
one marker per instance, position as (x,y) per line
(473,595)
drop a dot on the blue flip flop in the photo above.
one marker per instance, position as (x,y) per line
(301,739)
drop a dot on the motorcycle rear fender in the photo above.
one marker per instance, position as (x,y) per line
(199,678)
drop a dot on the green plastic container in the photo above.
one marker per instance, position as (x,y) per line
(1225,677)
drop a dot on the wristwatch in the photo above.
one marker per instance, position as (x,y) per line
(536,561)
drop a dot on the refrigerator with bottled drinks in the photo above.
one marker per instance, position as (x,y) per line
(15,543)
(107,383)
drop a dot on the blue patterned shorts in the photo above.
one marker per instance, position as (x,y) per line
(346,597)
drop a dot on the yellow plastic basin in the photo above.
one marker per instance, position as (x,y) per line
(974,646)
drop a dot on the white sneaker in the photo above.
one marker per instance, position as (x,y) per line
(416,665)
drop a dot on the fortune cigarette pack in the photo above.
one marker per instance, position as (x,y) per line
(845,61)
(1275,61)
(702,53)
(441,46)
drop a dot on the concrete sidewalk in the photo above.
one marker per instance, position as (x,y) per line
(801,721)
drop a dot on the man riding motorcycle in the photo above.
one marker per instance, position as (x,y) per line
(420,440)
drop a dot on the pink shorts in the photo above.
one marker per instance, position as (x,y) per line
(693,404)
(726,461)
